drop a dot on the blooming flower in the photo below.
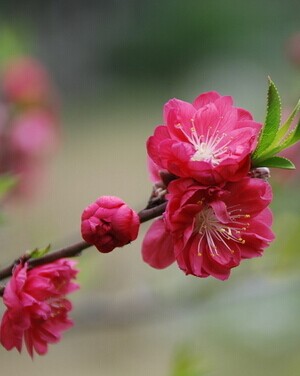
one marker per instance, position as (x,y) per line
(209,140)
(37,310)
(109,223)
(211,229)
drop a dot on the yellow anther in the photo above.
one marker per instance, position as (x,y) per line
(247,216)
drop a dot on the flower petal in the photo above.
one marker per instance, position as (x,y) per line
(157,247)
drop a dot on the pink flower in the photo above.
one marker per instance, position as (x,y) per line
(211,229)
(25,81)
(209,140)
(293,49)
(37,310)
(34,133)
(26,144)
(109,223)
(29,129)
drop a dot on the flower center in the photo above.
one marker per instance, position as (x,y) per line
(211,147)
(212,230)
(57,306)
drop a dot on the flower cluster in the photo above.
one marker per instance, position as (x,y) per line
(216,214)
(37,308)
(28,122)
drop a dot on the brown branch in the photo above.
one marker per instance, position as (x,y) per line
(147,214)
(74,249)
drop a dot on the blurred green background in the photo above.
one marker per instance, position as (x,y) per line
(115,63)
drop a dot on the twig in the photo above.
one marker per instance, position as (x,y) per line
(74,249)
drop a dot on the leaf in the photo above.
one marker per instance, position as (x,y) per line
(292,138)
(187,363)
(39,252)
(7,182)
(285,127)
(272,122)
(279,162)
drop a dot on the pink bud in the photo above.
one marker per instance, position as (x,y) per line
(109,223)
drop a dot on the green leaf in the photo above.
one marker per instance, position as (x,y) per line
(285,127)
(187,363)
(279,162)
(272,122)
(39,252)
(292,138)
(7,182)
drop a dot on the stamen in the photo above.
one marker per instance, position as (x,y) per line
(208,227)
(207,147)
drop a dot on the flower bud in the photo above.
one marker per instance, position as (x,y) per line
(109,223)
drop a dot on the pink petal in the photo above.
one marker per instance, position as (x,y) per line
(157,247)
(243,114)
(206,98)
(206,118)
(153,169)
(220,210)
(161,133)
(10,335)
(177,111)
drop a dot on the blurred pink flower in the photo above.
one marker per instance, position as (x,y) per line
(293,49)
(26,143)
(26,81)
(34,133)
(285,177)
(37,309)
(211,229)
(209,140)
(29,124)
(109,223)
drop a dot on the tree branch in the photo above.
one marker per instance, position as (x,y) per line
(74,249)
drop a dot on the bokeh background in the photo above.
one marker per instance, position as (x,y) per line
(114,65)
